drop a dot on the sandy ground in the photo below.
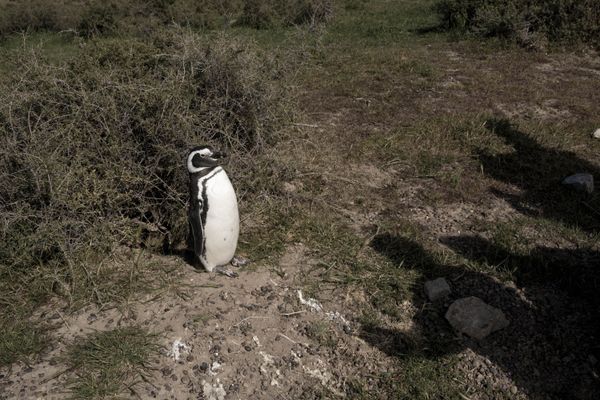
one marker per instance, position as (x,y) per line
(225,338)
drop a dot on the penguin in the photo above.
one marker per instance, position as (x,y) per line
(213,212)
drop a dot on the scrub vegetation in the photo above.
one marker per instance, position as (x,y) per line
(374,145)
(525,21)
(113,17)
(92,149)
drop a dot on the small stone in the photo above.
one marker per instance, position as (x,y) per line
(513,389)
(596,134)
(473,316)
(580,182)
(289,187)
(437,289)
(204,367)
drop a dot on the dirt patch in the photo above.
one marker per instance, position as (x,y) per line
(258,336)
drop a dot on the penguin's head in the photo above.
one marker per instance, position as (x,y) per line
(202,157)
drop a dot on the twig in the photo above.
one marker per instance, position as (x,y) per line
(55,375)
(590,208)
(307,125)
(367,241)
(247,318)
(455,279)
(63,319)
(292,313)
(285,337)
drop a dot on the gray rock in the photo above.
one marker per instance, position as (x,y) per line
(596,134)
(473,316)
(437,289)
(580,182)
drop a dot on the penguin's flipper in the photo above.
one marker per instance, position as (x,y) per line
(197,233)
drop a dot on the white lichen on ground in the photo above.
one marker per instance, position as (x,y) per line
(213,391)
(178,348)
(311,303)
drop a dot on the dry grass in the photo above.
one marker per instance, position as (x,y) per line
(93,151)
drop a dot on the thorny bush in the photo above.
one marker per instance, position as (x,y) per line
(92,152)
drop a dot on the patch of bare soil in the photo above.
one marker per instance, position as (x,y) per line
(257,336)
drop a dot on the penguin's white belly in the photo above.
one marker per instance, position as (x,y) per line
(221,229)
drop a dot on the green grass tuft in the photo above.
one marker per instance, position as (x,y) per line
(111,363)
(18,340)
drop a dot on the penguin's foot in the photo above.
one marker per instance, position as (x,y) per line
(239,261)
(221,269)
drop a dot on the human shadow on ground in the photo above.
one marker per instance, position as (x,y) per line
(575,271)
(538,171)
(545,349)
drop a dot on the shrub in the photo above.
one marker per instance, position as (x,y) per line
(103,17)
(203,13)
(269,13)
(555,20)
(37,15)
(92,152)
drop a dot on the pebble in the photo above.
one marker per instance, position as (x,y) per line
(473,316)
(582,182)
(596,134)
(437,289)
(204,367)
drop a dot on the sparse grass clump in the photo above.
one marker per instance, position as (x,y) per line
(111,363)
(19,340)
(555,20)
(92,151)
